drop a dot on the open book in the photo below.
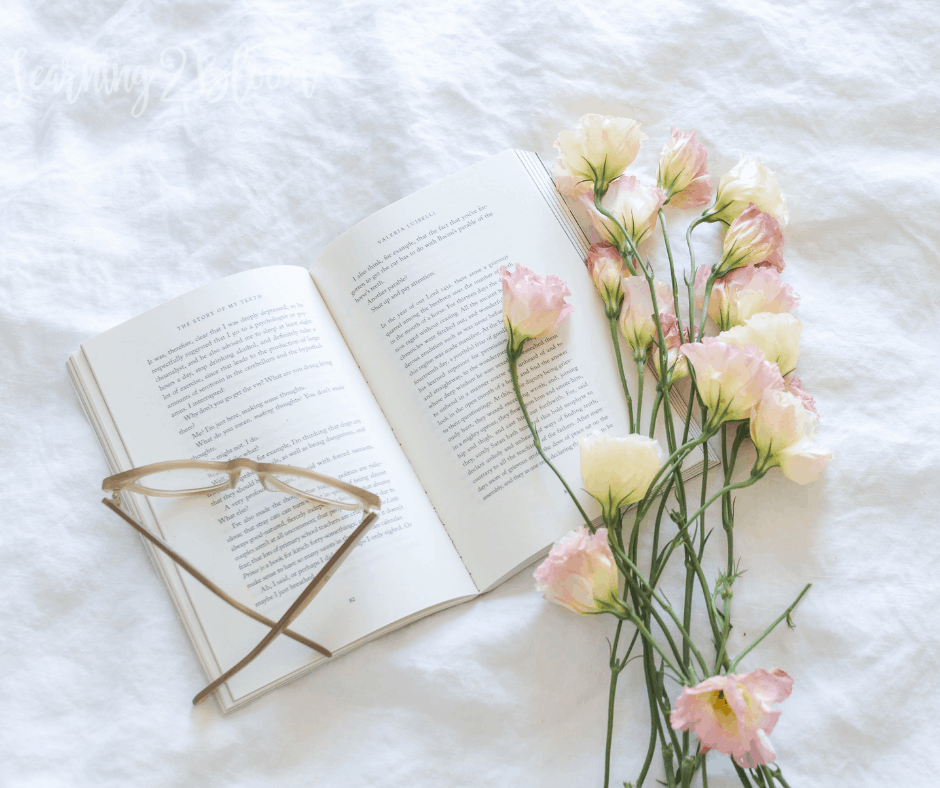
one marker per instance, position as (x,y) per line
(383,365)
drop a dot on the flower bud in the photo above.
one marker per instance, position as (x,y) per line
(683,172)
(637,323)
(749,181)
(605,265)
(754,237)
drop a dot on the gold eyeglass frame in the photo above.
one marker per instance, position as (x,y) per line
(365,501)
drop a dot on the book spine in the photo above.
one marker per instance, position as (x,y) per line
(546,187)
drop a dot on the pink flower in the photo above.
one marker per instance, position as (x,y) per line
(676,363)
(730,380)
(580,573)
(533,305)
(743,293)
(794,386)
(605,265)
(633,204)
(732,714)
(683,172)
(783,430)
(637,322)
(754,237)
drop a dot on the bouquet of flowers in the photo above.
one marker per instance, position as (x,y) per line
(730,334)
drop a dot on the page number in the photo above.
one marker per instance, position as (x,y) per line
(352,599)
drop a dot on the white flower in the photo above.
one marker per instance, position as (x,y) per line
(749,181)
(598,150)
(777,336)
(783,430)
(618,471)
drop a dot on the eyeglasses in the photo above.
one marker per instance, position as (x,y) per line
(188,478)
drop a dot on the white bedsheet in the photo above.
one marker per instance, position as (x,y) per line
(113,202)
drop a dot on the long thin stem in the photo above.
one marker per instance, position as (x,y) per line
(640,361)
(513,359)
(657,401)
(623,378)
(783,615)
(736,486)
(615,669)
(672,270)
(665,606)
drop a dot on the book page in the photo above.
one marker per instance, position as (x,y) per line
(415,289)
(253,366)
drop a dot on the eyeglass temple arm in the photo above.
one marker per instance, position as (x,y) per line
(306,596)
(184,564)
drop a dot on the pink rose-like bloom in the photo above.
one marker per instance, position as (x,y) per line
(783,430)
(533,305)
(730,380)
(732,714)
(794,386)
(605,265)
(580,572)
(634,204)
(743,293)
(754,237)
(637,322)
(683,171)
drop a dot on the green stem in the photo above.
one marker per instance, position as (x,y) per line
(609,215)
(651,594)
(787,612)
(615,669)
(742,775)
(623,378)
(656,403)
(736,486)
(513,359)
(672,270)
(691,282)
(639,360)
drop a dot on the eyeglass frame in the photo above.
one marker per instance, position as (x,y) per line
(367,502)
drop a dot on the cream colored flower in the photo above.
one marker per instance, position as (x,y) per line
(598,150)
(618,472)
(783,430)
(777,336)
(749,181)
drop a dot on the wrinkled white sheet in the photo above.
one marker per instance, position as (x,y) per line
(113,202)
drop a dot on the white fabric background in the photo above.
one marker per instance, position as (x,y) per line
(109,207)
